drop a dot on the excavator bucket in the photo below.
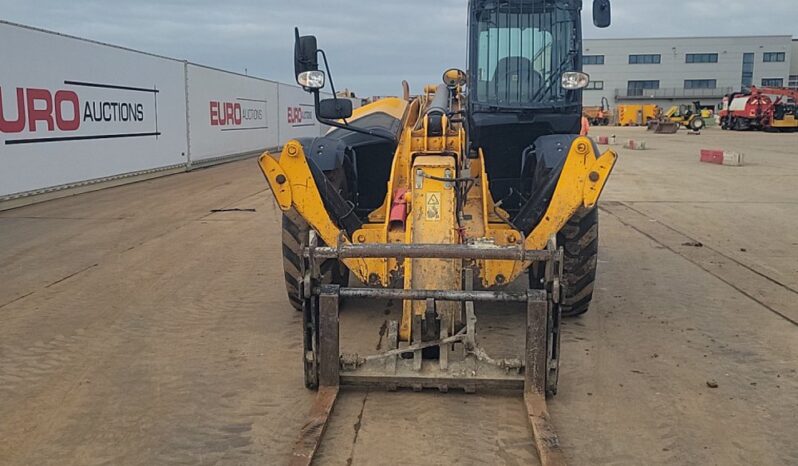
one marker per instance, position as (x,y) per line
(663,127)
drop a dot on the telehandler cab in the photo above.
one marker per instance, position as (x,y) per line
(442,200)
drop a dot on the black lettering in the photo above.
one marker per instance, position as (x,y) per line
(106,111)
(124,112)
(140,112)
(87,114)
(253,114)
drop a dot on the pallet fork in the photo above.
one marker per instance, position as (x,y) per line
(535,373)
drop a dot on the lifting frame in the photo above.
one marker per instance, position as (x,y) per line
(535,373)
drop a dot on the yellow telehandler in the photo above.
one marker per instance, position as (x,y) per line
(442,200)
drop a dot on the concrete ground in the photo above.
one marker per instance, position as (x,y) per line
(139,327)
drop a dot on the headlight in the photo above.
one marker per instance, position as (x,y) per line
(574,80)
(311,79)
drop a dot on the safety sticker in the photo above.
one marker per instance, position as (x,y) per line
(433,206)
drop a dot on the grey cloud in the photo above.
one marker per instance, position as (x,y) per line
(372,45)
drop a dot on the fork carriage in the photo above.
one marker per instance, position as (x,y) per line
(459,363)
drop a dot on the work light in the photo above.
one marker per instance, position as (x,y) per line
(574,80)
(311,79)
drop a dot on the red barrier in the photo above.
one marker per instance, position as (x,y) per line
(719,157)
(712,156)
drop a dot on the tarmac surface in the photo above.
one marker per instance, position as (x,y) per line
(138,327)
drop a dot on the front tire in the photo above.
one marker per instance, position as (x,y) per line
(579,239)
(697,124)
(295,238)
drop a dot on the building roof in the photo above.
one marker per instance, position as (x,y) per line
(770,36)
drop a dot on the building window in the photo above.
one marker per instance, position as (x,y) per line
(593,60)
(595,86)
(645,59)
(700,84)
(770,57)
(701,58)
(748,71)
(638,88)
(772,82)
(793,83)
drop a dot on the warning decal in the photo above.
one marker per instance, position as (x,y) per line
(433,207)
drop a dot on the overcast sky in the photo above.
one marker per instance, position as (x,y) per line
(372,44)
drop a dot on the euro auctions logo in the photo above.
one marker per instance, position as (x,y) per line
(301,115)
(77,111)
(242,114)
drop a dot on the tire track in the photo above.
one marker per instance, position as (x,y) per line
(756,286)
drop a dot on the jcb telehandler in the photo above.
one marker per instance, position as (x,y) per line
(442,200)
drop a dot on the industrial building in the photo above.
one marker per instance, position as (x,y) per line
(677,70)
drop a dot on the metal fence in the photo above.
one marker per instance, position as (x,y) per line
(671,93)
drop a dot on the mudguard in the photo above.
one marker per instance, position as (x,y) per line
(545,160)
(325,156)
(327,153)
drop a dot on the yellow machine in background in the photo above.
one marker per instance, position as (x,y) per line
(637,114)
(687,116)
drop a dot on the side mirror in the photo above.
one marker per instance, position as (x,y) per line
(335,109)
(602,16)
(305,53)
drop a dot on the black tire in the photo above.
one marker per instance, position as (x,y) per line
(295,237)
(579,239)
(295,234)
(697,124)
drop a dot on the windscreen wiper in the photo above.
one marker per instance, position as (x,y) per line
(552,78)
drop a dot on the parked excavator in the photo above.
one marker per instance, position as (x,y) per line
(441,201)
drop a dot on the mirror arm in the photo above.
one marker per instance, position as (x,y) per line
(332,83)
(329,75)
(345,125)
